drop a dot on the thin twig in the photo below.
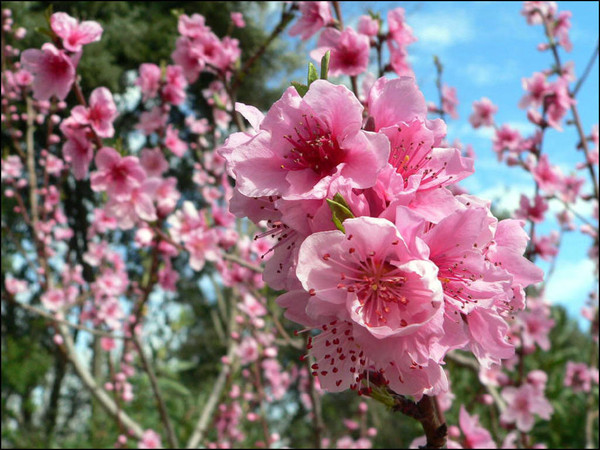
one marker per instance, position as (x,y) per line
(587,71)
(53,318)
(164,415)
(100,394)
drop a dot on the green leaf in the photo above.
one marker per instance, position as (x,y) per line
(325,65)
(340,211)
(312,73)
(301,88)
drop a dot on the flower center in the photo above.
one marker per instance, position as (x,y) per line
(313,148)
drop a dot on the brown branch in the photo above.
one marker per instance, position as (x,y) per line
(164,415)
(55,319)
(426,412)
(587,71)
(286,18)
(574,111)
(90,383)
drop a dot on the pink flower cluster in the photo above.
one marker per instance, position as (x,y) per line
(349,48)
(413,271)
(198,48)
(53,68)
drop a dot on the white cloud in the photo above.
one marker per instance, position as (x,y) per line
(442,29)
(489,74)
(506,197)
(570,283)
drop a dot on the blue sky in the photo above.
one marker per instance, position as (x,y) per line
(486,49)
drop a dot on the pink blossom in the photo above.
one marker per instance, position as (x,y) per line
(149,80)
(536,11)
(173,143)
(166,196)
(100,114)
(248,350)
(14,286)
(349,51)
(192,27)
(23,78)
(534,212)
(153,162)
(449,101)
(570,187)
(546,246)
(238,19)
(536,327)
(522,403)
(536,88)
(53,71)
(201,245)
(399,31)
(11,168)
(119,176)
(386,292)
(549,178)
(138,204)
(557,102)
(579,377)
(78,149)
(188,56)
(150,439)
(54,299)
(368,26)
(507,138)
(399,61)
(561,28)
(300,161)
(483,113)
(475,435)
(152,121)
(315,15)
(73,33)
(175,83)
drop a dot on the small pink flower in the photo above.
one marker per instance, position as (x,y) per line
(349,51)
(301,161)
(149,80)
(449,101)
(175,83)
(483,113)
(73,33)
(192,27)
(315,15)
(152,121)
(53,71)
(534,212)
(475,435)
(238,19)
(536,88)
(248,350)
(78,150)
(119,176)
(550,178)
(536,11)
(561,29)
(150,439)
(15,286)
(368,26)
(522,403)
(173,143)
(100,114)
(153,161)
(507,138)
(11,168)
(399,31)
(579,377)
(558,102)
